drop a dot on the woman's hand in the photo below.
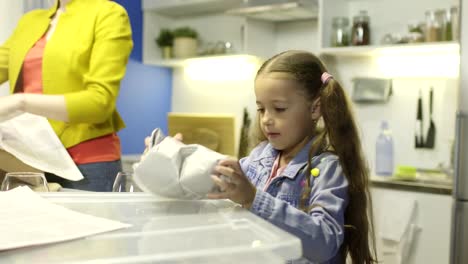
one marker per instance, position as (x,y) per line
(11,106)
(235,185)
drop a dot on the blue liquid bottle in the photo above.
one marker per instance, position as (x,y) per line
(384,151)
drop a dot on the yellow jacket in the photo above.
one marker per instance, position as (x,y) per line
(84,60)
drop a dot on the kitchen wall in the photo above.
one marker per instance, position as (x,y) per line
(136,20)
(217,90)
(143,103)
(400,112)
(230,96)
(300,35)
(410,75)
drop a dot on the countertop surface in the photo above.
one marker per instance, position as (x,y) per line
(426,186)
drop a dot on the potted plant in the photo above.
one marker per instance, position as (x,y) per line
(165,41)
(185,42)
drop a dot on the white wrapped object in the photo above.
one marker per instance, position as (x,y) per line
(173,169)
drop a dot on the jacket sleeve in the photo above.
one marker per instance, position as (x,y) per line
(321,229)
(4,61)
(108,60)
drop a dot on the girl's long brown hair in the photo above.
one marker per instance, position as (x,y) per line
(339,135)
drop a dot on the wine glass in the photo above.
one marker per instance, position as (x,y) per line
(124,183)
(34,180)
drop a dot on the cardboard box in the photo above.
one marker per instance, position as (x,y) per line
(9,163)
(214,131)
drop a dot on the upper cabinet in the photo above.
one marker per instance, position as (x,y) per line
(271,10)
(183,8)
(253,27)
(277,10)
(263,28)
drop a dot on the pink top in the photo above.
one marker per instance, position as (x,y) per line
(32,68)
(275,171)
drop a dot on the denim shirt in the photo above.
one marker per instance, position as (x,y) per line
(321,230)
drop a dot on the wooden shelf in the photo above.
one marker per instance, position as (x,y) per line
(436,48)
(175,63)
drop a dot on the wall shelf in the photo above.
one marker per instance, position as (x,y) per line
(169,63)
(278,10)
(176,63)
(184,8)
(437,48)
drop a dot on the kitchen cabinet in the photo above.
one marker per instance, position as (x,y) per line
(250,32)
(246,36)
(432,218)
(264,34)
(181,8)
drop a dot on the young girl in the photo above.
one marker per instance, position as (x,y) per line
(309,179)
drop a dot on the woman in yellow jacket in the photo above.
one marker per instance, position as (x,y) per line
(66,64)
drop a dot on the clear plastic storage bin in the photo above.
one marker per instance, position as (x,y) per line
(164,231)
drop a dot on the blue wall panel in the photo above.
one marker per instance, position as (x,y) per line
(135,13)
(144,101)
(145,92)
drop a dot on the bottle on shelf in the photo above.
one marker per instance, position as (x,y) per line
(384,151)
(451,27)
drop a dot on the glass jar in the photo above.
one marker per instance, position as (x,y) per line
(361,31)
(340,32)
(433,28)
(447,29)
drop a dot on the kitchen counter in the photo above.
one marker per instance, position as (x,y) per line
(434,187)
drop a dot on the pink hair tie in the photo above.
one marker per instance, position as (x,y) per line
(326,77)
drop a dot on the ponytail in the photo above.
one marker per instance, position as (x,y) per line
(344,141)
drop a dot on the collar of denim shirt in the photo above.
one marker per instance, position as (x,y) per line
(296,165)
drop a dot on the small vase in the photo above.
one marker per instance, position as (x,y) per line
(185,47)
(166,52)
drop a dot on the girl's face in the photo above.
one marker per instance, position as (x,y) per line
(285,113)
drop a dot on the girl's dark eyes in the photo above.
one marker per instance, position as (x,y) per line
(280,109)
(277,109)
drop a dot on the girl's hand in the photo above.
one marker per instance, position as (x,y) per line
(177,136)
(235,186)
